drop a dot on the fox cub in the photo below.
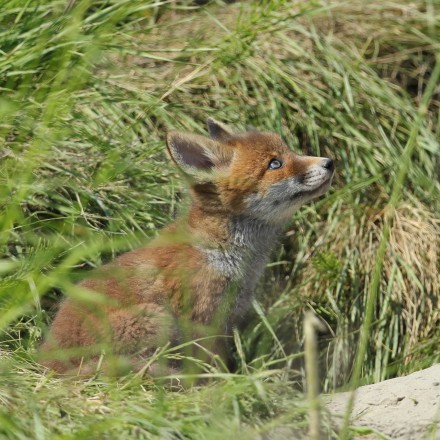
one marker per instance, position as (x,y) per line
(197,278)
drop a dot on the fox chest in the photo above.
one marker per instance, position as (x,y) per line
(233,296)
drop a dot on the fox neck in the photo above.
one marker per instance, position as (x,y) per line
(238,246)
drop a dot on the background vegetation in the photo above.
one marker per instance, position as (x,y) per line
(88,89)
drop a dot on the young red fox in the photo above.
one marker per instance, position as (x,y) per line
(197,278)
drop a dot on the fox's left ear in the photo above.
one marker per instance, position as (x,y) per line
(219,131)
(197,155)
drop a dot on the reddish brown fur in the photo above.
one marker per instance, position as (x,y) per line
(265,146)
(155,293)
(145,305)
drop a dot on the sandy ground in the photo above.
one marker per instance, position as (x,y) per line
(406,408)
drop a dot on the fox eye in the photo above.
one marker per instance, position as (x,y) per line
(274,164)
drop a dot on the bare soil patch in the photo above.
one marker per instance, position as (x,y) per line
(406,408)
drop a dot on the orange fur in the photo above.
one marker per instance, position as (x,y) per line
(198,276)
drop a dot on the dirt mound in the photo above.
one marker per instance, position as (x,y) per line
(406,408)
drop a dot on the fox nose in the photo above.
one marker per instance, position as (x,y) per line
(328,164)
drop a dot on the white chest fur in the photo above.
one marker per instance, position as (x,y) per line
(243,259)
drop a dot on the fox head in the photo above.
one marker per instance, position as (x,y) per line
(252,173)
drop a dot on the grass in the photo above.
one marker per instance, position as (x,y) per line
(139,408)
(86,96)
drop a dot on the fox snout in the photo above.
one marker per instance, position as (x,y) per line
(304,179)
(317,177)
(323,162)
(328,164)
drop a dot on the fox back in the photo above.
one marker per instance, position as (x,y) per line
(197,278)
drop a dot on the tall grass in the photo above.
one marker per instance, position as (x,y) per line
(86,95)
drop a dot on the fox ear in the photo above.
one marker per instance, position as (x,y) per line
(196,154)
(219,131)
